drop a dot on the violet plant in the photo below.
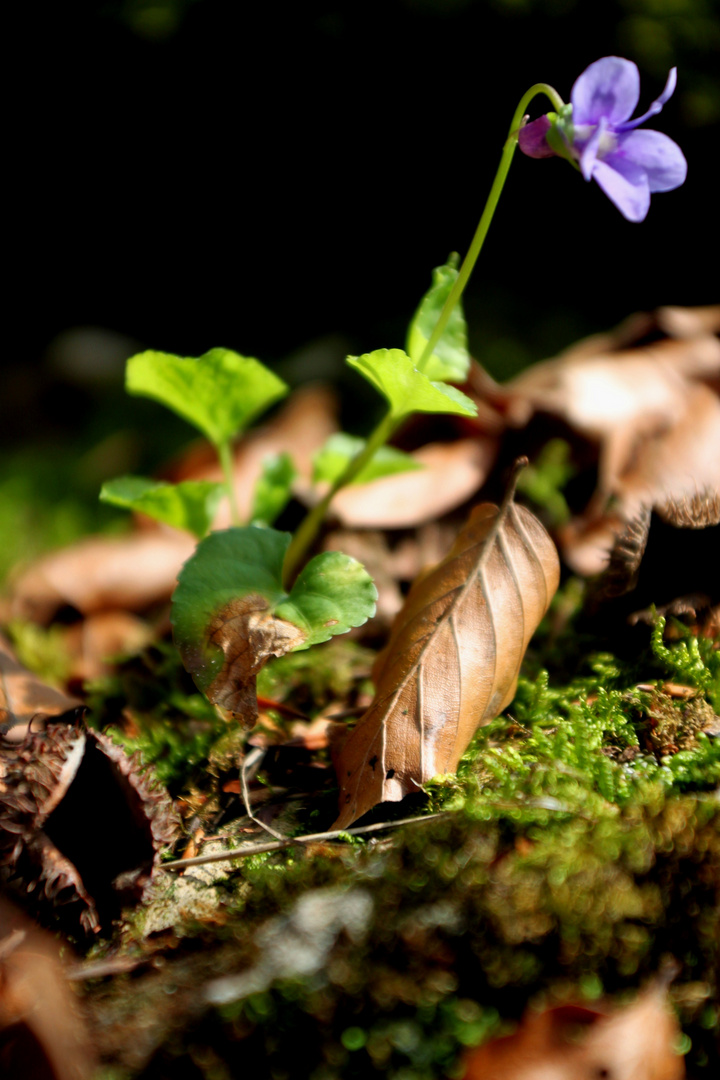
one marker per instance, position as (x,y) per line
(247,592)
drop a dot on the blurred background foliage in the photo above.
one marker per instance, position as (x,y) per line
(281,177)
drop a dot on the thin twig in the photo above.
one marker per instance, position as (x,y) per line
(277,845)
(100,969)
(254,758)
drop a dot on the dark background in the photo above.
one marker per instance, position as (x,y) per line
(191,173)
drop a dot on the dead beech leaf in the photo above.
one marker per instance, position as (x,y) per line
(102,572)
(42,1036)
(572,1042)
(453,657)
(679,462)
(617,400)
(623,390)
(682,322)
(95,641)
(451,474)
(24,696)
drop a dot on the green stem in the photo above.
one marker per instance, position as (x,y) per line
(305,535)
(224,450)
(487,215)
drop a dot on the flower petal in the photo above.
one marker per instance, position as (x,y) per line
(588,156)
(661,159)
(610,87)
(532,141)
(625,184)
(657,104)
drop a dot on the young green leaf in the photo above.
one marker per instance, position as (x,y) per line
(450,361)
(331,461)
(190,505)
(392,372)
(230,613)
(333,593)
(272,490)
(220,392)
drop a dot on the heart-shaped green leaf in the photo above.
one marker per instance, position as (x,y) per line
(190,505)
(331,461)
(220,392)
(450,360)
(230,613)
(272,489)
(392,372)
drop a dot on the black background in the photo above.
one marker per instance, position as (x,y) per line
(257,175)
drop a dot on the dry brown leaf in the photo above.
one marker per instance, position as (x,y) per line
(453,657)
(573,1042)
(617,399)
(24,696)
(586,546)
(636,403)
(451,474)
(95,641)
(248,634)
(100,573)
(683,322)
(41,1034)
(677,463)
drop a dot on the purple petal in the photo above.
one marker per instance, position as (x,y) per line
(660,158)
(610,87)
(625,184)
(532,141)
(588,157)
(657,104)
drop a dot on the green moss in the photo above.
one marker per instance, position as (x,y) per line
(153,707)
(40,649)
(314,677)
(473,919)
(580,850)
(692,660)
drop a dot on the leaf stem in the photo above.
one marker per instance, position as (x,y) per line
(224,451)
(487,215)
(305,535)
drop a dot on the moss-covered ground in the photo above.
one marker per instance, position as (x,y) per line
(577,852)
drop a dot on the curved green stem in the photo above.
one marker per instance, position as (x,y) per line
(224,451)
(305,535)
(487,215)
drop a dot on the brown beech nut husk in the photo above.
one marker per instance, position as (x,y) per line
(82,824)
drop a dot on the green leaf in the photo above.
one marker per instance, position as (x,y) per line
(392,372)
(190,505)
(220,392)
(272,490)
(230,613)
(331,461)
(450,360)
(332,594)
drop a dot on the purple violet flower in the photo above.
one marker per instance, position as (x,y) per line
(628,165)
